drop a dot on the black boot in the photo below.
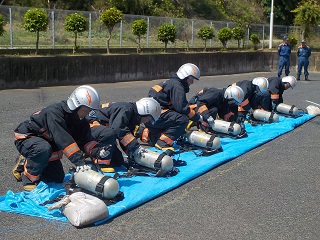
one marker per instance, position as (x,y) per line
(298,77)
(306,78)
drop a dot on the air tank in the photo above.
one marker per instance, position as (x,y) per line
(230,128)
(265,116)
(97,183)
(154,160)
(204,140)
(287,109)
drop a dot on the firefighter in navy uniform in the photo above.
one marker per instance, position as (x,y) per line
(275,91)
(284,51)
(252,91)
(123,118)
(213,102)
(303,53)
(176,111)
(58,129)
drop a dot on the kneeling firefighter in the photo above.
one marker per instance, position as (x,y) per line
(274,95)
(176,112)
(124,118)
(213,103)
(58,129)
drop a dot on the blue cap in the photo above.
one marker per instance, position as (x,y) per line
(285,38)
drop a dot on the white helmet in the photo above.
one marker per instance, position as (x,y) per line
(234,93)
(84,96)
(262,84)
(187,70)
(291,80)
(149,106)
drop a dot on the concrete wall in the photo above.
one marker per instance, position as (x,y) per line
(30,72)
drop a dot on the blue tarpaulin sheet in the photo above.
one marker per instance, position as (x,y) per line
(140,189)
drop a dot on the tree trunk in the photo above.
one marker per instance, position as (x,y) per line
(37,43)
(75,43)
(108,41)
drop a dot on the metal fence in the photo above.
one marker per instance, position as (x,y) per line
(122,36)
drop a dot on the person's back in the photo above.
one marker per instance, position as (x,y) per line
(120,116)
(212,102)
(274,95)
(176,111)
(58,129)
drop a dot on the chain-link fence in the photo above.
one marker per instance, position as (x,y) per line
(122,37)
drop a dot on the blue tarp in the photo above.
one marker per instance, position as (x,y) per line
(138,189)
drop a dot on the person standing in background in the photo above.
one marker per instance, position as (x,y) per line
(303,54)
(284,51)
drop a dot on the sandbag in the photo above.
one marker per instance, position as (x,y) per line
(313,110)
(82,209)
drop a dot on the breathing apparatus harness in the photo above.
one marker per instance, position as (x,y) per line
(134,169)
(209,130)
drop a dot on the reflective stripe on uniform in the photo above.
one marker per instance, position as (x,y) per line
(274,96)
(94,124)
(89,146)
(19,136)
(71,149)
(102,161)
(228,116)
(56,156)
(244,102)
(202,109)
(157,88)
(104,105)
(164,110)
(166,139)
(191,113)
(128,138)
(33,178)
(145,135)
(240,109)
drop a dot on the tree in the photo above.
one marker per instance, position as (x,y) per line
(254,38)
(242,12)
(224,35)
(167,32)
(238,34)
(36,20)
(293,41)
(139,28)
(205,33)
(282,10)
(307,15)
(2,23)
(76,23)
(110,18)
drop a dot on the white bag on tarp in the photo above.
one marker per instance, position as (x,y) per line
(313,110)
(82,209)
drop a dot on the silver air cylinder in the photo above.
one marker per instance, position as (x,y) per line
(287,109)
(95,182)
(265,116)
(204,140)
(230,128)
(154,160)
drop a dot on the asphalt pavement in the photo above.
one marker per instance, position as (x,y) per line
(271,192)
